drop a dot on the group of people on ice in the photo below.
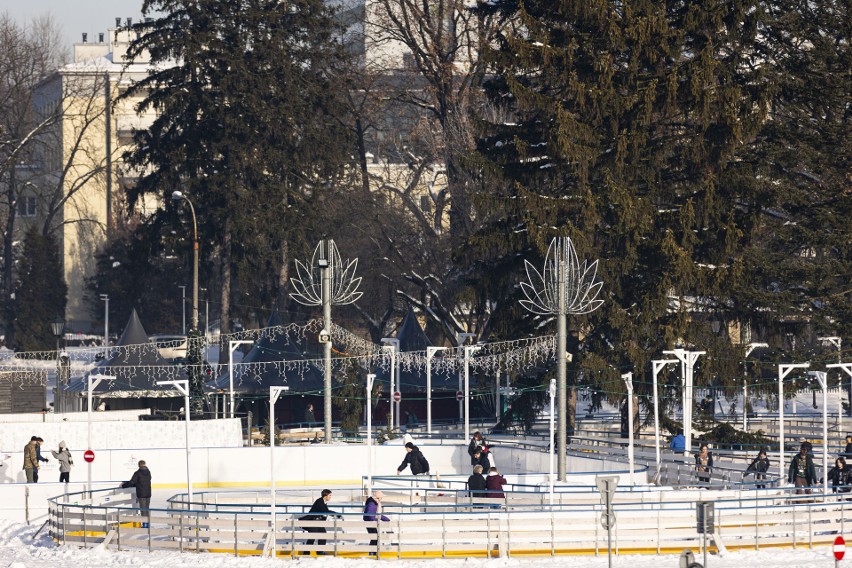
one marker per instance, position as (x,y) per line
(33,460)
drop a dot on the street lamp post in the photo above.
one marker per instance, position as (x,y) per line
(628,382)
(461,338)
(274,393)
(325,281)
(182,387)
(821,378)
(430,353)
(687,364)
(232,345)
(93,381)
(195,355)
(783,371)
(468,349)
(749,348)
(105,299)
(563,287)
(177,196)
(837,341)
(370,380)
(551,450)
(392,345)
(57,327)
(657,365)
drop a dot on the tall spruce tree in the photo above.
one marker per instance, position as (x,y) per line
(244,96)
(40,293)
(614,124)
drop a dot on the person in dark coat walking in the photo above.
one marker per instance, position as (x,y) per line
(309,418)
(413,458)
(840,476)
(802,472)
(758,467)
(319,511)
(141,480)
(477,443)
(476,483)
(494,483)
(847,451)
(373,512)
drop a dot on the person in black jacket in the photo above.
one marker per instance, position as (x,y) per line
(477,443)
(413,458)
(319,512)
(476,482)
(141,480)
(802,472)
(480,458)
(759,466)
(840,476)
(847,451)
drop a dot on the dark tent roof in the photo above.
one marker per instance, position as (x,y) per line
(267,350)
(412,338)
(132,363)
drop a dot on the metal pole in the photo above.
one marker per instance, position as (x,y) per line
(561,366)
(326,316)
(821,378)
(467,350)
(232,346)
(89,435)
(783,371)
(657,365)
(628,382)
(274,393)
(187,418)
(430,353)
(105,298)
(370,379)
(550,449)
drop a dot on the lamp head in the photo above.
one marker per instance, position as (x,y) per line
(177,195)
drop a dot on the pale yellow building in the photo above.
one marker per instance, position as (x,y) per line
(79,173)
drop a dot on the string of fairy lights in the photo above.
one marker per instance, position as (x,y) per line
(286,362)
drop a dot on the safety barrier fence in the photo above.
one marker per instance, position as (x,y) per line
(473,527)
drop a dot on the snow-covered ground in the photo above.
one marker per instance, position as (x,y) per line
(19,550)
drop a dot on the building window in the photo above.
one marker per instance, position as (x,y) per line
(27,206)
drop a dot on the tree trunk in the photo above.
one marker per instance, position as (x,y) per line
(225,314)
(9,258)
(283,276)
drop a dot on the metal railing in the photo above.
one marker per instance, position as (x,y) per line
(655,523)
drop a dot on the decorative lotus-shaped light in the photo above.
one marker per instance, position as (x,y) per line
(577,282)
(308,282)
(563,287)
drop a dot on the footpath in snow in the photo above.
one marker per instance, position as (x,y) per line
(18,550)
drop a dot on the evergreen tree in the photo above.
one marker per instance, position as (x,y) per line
(40,294)
(244,97)
(614,124)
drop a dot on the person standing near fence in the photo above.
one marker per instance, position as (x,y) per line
(704,464)
(63,456)
(309,418)
(141,480)
(840,476)
(477,444)
(476,483)
(373,513)
(39,458)
(802,472)
(31,460)
(494,483)
(759,466)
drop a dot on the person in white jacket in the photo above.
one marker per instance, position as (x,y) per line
(63,456)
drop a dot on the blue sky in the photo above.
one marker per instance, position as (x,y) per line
(75,16)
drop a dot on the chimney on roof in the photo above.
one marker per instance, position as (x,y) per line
(129,22)
(85,37)
(118,22)
(100,38)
